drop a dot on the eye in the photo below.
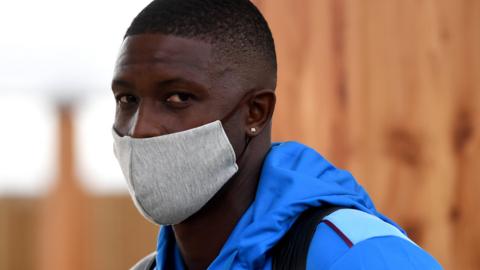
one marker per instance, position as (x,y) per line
(126,99)
(179,98)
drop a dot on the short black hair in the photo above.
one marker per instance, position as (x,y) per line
(235,28)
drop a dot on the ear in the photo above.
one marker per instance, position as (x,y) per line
(260,111)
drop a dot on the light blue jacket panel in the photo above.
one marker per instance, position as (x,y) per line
(351,239)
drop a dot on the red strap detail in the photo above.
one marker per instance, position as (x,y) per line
(339,232)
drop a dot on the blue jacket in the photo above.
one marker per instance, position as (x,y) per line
(294,178)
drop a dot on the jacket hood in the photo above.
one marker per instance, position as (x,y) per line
(294,178)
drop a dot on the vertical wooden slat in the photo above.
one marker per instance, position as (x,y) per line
(466,141)
(63,229)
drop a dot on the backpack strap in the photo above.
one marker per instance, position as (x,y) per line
(147,263)
(292,250)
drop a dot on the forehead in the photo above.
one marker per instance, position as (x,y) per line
(156,52)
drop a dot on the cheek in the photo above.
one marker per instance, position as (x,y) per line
(236,134)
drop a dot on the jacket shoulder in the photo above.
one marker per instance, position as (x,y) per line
(352,239)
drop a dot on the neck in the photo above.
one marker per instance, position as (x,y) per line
(201,237)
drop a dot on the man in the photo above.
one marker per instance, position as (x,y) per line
(194,85)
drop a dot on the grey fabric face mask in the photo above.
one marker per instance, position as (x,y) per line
(170,177)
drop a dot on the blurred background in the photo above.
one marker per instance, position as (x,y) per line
(387,89)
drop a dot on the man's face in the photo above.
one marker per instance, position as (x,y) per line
(165,84)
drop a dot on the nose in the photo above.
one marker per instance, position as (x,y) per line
(143,123)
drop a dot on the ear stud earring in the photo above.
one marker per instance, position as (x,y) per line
(253,130)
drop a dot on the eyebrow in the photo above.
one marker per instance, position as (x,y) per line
(122,83)
(162,84)
(180,81)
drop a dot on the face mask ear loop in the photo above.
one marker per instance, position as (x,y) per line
(248,139)
(231,113)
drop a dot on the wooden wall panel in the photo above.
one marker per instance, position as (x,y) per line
(391,91)
(18,231)
(120,236)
